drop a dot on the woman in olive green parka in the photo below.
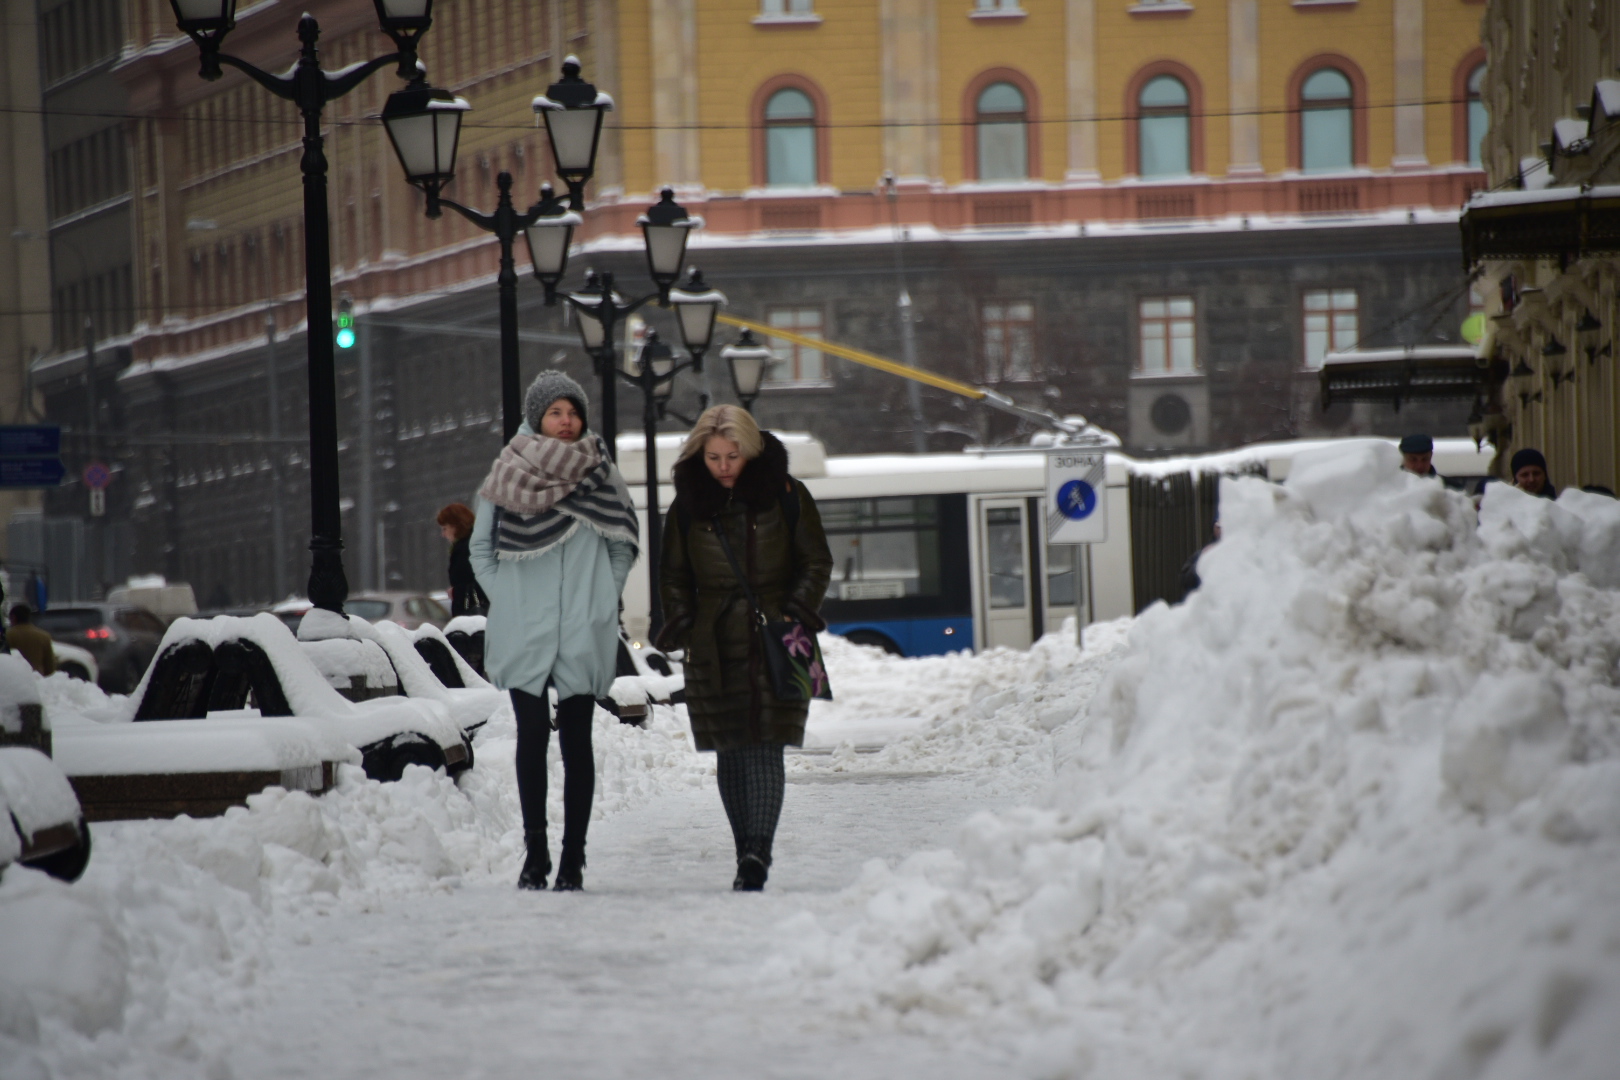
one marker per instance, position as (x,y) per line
(732,476)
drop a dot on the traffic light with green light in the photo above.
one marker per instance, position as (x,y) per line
(345,323)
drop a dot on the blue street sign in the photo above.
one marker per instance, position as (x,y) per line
(31,472)
(1077,499)
(30,440)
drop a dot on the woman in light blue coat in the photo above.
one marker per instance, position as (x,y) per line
(552,543)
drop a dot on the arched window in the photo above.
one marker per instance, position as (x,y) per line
(1003,139)
(1478,119)
(790,138)
(1164,128)
(1326,122)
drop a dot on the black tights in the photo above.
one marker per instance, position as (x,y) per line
(579,762)
(752,783)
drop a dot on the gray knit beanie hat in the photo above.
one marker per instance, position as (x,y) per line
(547,387)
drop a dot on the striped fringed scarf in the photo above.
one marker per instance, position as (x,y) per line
(543,488)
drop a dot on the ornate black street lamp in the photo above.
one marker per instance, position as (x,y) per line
(665,228)
(747,360)
(310,87)
(653,369)
(424,125)
(573,111)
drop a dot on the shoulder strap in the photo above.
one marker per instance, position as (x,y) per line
(742,578)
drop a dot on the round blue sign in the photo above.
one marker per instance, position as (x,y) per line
(97,476)
(1077,499)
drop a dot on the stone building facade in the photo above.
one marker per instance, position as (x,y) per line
(1546,238)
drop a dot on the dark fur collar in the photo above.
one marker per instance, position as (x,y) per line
(760,486)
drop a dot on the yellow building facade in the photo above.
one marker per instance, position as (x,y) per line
(987,114)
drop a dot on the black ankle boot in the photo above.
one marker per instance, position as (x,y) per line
(538,863)
(570,870)
(751,874)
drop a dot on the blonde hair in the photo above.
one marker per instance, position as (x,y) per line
(729,422)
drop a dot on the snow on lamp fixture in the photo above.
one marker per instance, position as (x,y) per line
(549,238)
(696,306)
(573,111)
(665,228)
(424,124)
(747,360)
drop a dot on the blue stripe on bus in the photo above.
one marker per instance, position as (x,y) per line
(917,637)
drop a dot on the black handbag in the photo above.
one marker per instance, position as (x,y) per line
(792,653)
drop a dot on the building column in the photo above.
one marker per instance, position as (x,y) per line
(1081,21)
(675,93)
(910,36)
(1243,45)
(1409,148)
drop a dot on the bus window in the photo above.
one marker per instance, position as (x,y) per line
(1004,544)
(1060,575)
(883,549)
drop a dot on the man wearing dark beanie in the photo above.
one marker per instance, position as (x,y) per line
(1417,455)
(1529,470)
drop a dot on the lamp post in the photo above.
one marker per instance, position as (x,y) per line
(665,229)
(747,360)
(653,370)
(310,87)
(424,125)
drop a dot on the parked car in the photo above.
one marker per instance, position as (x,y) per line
(408,609)
(123,639)
(77,663)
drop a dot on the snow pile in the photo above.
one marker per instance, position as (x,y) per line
(18,687)
(1352,810)
(129,971)
(952,713)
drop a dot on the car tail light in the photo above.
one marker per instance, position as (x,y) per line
(99,633)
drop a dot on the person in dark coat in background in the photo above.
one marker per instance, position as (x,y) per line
(733,477)
(1529,470)
(455,525)
(1417,455)
(34,644)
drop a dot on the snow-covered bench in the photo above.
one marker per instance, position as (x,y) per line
(40,821)
(232,668)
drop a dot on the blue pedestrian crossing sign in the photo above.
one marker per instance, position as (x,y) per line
(1076,496)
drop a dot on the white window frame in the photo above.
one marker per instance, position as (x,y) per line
(792,354)
(1325,326)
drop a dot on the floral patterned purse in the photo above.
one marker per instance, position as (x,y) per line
(792,654)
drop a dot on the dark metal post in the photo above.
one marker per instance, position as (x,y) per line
(278,525)
(655,524)
(365,506)
(328,586)
(505,223)
(98,538)
(607,365)
(511,377)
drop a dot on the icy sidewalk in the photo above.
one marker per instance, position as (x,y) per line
(184,936)
(654,971)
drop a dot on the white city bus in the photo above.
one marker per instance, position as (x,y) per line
(939,552)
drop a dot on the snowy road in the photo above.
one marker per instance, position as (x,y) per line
(650,972)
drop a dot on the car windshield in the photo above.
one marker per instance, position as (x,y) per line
(367,609)
(65,620)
